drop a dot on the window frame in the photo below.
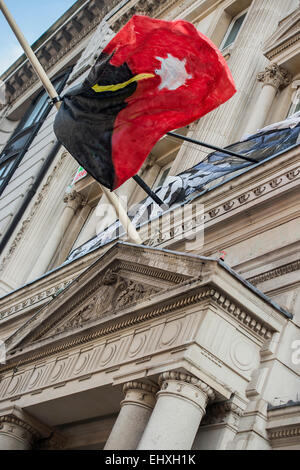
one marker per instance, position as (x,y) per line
(31,130)
(230,27)
(295,102)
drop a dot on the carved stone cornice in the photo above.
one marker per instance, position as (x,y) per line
(285,432)
(286,35)
(189,379)
(275,76)
(268,187)
(36,298)
(57,288)
(206,293)
(277,272)
(51,48)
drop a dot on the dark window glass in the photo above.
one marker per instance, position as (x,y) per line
(24,132)
(233,30)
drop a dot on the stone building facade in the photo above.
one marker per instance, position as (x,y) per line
(162,345)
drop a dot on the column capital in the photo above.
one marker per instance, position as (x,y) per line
(275,76)
(223,412)
(140,386)
(73,199)
(21,427)
(139,393)
(181,377)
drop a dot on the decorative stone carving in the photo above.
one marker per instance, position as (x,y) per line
(189,379)
(275,76)
(113,293)
(259,190)
(144,394)
(277,272)
(243,198)
(275,182)
(18,430)
(222,412)
(228,205)
(73,200)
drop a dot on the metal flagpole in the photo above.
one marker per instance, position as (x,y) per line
(213,147)
(148,190)
(112,198)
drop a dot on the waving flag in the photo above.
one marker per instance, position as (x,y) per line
(154,76)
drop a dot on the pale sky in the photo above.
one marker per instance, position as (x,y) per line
(34,17)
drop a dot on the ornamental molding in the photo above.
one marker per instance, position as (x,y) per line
(273,273)
(56,46)
(178,376)
(36,298)
(258,329)
(262,190)
(178,230)
(277,50)
(53,291)
(11,419)
(107,293)
(69,35)
(142,386)
(286,35)
(221,413)
(275,75)
(25,224)
(284,432)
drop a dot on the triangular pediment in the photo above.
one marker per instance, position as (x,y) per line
(286,34)
(120,279)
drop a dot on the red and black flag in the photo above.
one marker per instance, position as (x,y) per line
(154,76)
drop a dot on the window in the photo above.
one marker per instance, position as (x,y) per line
(233,30)
(18,144)
(295,105)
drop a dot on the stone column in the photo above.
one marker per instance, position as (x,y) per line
(72,200)
(135,412)
(273,78)
(180,406)
(18,430)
